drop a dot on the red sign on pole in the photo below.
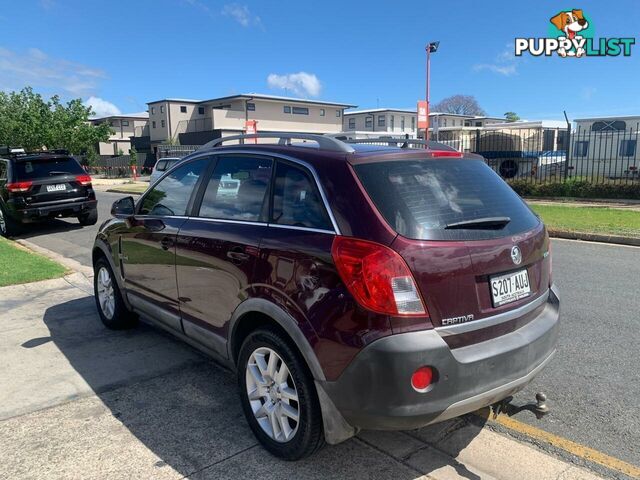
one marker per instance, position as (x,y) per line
(251,127)
(423,115)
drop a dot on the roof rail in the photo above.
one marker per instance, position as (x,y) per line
(403,142)
(324,143)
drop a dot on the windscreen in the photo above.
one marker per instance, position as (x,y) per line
(44,168)
(425,199)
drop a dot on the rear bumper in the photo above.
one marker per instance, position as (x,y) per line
(375,392)
(26,214)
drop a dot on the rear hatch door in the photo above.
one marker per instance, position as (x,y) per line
(53,179)
(458,223)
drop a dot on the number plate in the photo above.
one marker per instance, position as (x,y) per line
(510,287)
(56,188)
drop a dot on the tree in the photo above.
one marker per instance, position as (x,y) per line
(459,104)
(511,116)
(27,120)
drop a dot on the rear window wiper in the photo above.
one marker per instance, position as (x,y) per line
(480,223)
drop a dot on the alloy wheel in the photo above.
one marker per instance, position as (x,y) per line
(272,394)
(106,294)
(3,223)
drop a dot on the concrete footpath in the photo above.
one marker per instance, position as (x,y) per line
(80,401)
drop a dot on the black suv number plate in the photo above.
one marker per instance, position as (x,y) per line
(56,188)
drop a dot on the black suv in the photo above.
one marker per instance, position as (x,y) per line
(37,186)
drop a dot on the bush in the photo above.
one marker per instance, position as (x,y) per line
(577,189)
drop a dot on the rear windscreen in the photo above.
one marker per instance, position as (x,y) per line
(36,169)
(424,199)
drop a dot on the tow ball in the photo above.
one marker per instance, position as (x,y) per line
(539,408)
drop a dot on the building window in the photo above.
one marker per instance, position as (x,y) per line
(287,109)
(628,148)
(609,126)
(200,110)
(402,123)
(352,124)
(444,123)
(368,122)
(413,123)
(125,123)
(112,123)
(251,107)
(300,111)
(183,109)
(162,123)
(161,108)
(467,123)
(322,112)
(153,124)
(337,113)
(393,122)
(153,110)
(381,120)
(581,148)
(478,124)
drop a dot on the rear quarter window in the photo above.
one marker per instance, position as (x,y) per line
(420,198)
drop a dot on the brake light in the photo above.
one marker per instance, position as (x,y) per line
(83,180)
(19,186)
(377,277)
(446,153)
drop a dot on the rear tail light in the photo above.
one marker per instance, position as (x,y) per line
(19,186)
(377,277)
(83,180)
(421,379)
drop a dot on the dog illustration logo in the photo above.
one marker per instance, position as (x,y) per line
(570,23)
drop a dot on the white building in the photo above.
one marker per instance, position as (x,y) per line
(123,127)
(384,120)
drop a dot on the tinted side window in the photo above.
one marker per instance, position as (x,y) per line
(296,200)
(171,196)
(237,189)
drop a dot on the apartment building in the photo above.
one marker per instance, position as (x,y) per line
(439,120)
(123,127)
(195,122)
(384,120)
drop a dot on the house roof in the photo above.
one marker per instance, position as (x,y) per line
(611,117)
(138,115)
(376,110)
(261,96)
(182,100)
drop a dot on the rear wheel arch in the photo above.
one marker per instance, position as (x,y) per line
(256,313)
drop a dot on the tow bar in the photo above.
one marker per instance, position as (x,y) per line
(539,409)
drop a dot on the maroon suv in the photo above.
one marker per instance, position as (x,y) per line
(350,286)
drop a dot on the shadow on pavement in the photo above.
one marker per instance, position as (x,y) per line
(185,409)
(47,227)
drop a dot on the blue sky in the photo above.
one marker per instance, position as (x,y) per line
(126,53)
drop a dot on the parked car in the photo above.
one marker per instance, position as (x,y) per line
(38,186)
(162,166)
(349,286)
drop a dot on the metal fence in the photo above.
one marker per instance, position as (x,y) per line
(176,150)
(118,167)
(545,155)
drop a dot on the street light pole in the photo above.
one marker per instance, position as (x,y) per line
(432,47)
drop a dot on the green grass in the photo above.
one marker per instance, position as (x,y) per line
(133,188)
(18,265)
(600,220)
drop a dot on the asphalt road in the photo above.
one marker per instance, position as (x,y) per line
(593,384)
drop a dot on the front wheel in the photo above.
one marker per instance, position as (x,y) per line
(278,396)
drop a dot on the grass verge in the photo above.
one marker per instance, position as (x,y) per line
(19,265)
(600,220)
(132,188)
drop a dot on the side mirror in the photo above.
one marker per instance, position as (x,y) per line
(125,207)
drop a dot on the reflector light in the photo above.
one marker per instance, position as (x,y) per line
(446,153)
(421,379)
(377,277)
(19,186)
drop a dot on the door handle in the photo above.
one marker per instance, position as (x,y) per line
(166,243)
(238,256)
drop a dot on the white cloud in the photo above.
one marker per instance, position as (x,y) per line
(101,107)
(55,75)
(241,14)
(301,83)
(505,63)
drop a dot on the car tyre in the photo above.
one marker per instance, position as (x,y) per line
(275,388)
(89,218)
(111,307)
(8,226)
